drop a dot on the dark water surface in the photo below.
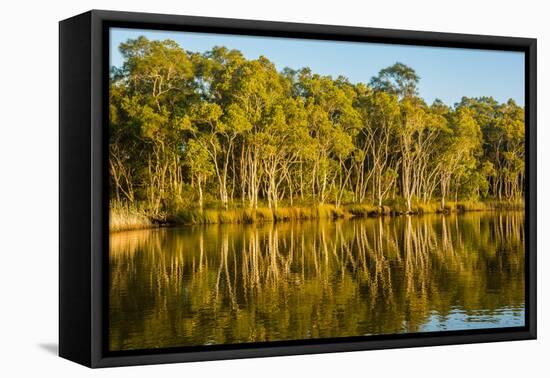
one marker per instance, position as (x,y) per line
(247,283)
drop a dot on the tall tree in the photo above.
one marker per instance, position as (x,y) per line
(398,79)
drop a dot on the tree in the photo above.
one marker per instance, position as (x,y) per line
(157,81)
(217,132)
(381,115)
(333,123)
(200,166)
(460,145)
(255,88)
(398,79)
(280,147)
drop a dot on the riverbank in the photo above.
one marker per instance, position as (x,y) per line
(130,218)
(125,218)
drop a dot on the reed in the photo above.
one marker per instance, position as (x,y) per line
(123,218)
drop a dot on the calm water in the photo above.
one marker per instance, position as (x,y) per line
(248,283)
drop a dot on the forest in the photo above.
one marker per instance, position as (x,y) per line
(214,137)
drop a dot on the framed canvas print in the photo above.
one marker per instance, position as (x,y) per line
(233,188)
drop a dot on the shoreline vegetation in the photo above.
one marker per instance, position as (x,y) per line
(128,218)
(214,137)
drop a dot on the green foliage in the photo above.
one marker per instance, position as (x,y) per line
(214,137)
(398,79)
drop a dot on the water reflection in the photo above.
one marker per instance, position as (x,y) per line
(248,283)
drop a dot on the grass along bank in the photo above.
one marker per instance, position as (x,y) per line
(124,218)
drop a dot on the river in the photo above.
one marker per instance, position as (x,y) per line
(226,284)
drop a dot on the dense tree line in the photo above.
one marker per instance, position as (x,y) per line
(216,129)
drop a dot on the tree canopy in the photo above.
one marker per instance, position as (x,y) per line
(190,130)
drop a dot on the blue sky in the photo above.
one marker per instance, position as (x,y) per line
(445,73)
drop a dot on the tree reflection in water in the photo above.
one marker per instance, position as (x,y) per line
(248,283)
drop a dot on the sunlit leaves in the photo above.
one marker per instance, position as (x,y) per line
(236,127)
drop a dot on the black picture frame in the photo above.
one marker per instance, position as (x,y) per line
(83,182)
